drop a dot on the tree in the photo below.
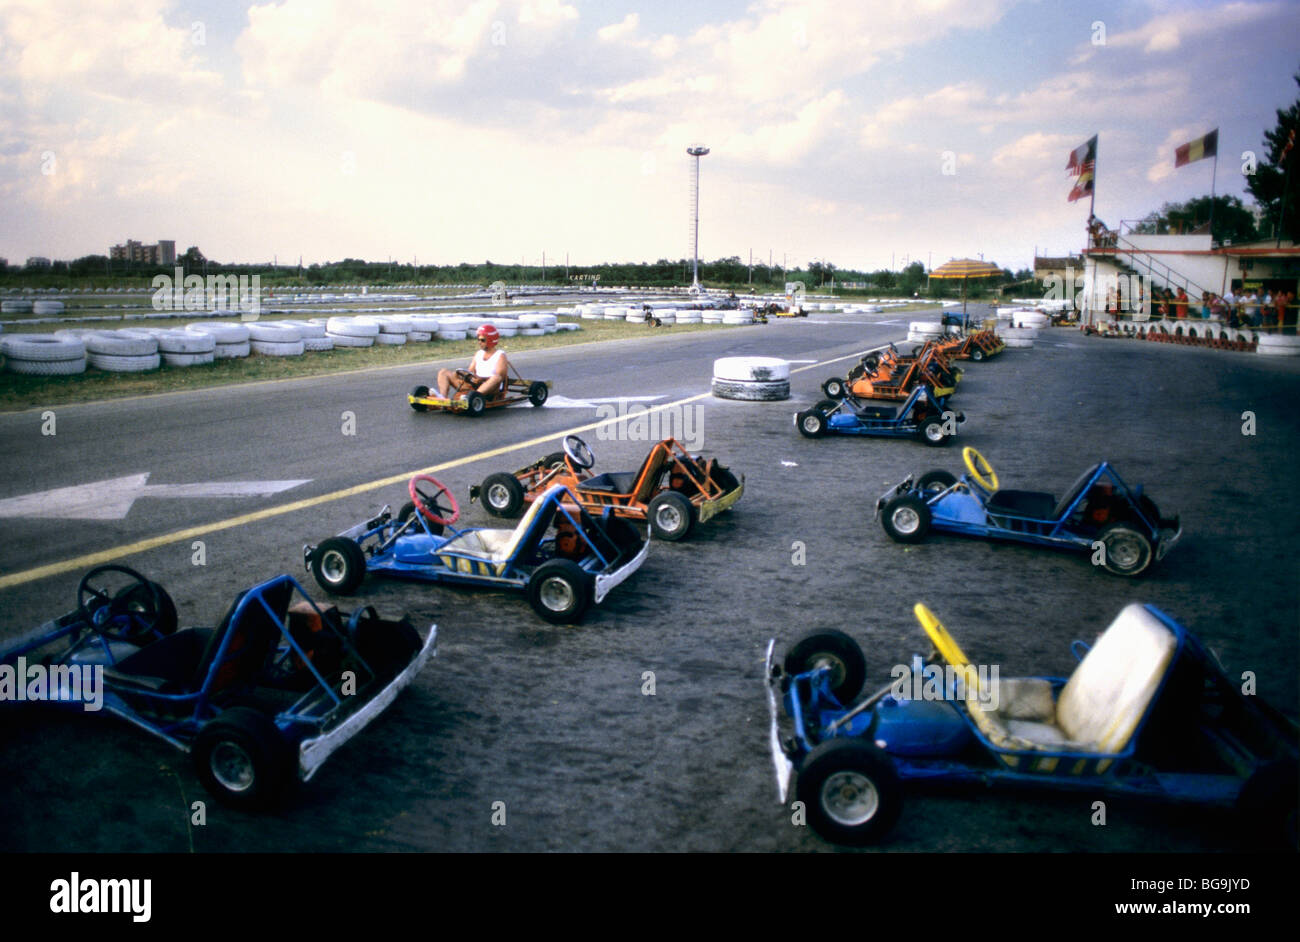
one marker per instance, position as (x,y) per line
(1273,183)
(1232,221)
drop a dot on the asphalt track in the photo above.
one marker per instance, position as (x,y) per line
(556,723)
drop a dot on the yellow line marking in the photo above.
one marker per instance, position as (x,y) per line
(143,546)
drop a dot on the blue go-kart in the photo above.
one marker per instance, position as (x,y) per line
(564,559)
(922,416)
(1119,525)
(1148,712)
(259,701)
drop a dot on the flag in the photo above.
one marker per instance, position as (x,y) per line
(1083,164)
(1198,149)
(1286,148)
(1085,153)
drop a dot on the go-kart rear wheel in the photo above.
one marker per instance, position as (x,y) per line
(338,565)
(811,424)
(671,516)
(1125,550)
(420,392)
(560,591)
(834,650)
(977,353)
(833,388)
(242,759)
(906,518)
(851,791)
(537,393)
(475,404)
(932,430)
(503,495)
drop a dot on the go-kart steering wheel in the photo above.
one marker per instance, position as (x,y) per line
(578,452)
(978,466)
(427,503)
(133,614)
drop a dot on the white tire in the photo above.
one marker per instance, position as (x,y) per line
(42,348)
(751,369)
(308,329)
(115,343)
(48,307)
(346,340)
(232,351)
(222,333)
(737,319)
(1275,345)
(275,348)
(46,367)
(394,325)
(352,327)
(711,317)
(110,363)
(16,307)
(752,391)
(185,341)
(188,359)
(419,336)
(316,344)
(565,328)
(272,332)
(389,340)
(532,331)
(451,334)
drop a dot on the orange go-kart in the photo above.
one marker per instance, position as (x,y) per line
(673,490)
(893,376)
(466,399)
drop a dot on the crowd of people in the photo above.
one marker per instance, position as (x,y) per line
(1244,309)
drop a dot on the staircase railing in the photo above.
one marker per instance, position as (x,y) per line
(1112,243)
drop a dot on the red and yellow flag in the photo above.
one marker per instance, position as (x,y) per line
(1198,149)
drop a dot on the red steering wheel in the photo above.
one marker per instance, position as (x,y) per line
(428,503)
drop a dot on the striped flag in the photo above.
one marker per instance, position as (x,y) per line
(1083,164)
(1198,149)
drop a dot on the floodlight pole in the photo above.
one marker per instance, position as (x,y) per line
(697,152)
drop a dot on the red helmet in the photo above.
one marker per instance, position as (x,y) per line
(489,333)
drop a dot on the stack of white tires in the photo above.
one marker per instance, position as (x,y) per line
(921,331)
(753,379)
(116,352)
(314,338)
(1278,345)
(393,330)
(275,339)
(43,354)
(232,340)
(1021,337)
(179,348)
(352,331)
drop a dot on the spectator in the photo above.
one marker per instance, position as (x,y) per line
(1205,304)
(1163,296)
(1280,301)
(1251,309)
(1181,302)
(1218,310)
(1266,308)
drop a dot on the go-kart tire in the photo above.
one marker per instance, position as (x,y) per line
(475,404)
(850,791)
(405,513)
(810,423)
(671,516)
(1266,807)
(503,495)
(420,392)
(538,393)
(554,458)
(931,431)
(242,759)
(929,480)
(1134,550)
(165,619)
(835,650)
(339,565)
(833,388)
(756,391)
(906,518)
(977,354)
(560,591)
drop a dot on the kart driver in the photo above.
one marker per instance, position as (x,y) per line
(487,371)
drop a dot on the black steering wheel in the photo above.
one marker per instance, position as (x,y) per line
(578,452)
(426,500)
(139,612)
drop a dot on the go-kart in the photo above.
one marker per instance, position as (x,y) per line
(467,400)
(1119,525)
(260,700)
(673,489)
(893,375)
(921,417)
(563,573)
(1148,712)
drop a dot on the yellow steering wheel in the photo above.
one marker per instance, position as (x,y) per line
(947,647)
(978,466)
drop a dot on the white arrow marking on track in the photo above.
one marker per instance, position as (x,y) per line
(112,499)
(564,402)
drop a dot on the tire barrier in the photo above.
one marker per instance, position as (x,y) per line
(48,307)
(752,379)
(278,348)
(43,354)
(1201,333)
(1019,337)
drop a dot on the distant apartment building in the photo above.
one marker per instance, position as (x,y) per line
(4,263)
(162,252)
(38,261)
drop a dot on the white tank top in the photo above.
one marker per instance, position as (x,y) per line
(486,366)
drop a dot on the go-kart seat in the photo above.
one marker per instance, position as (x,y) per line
(495,546)
(623,482)
(1075,490)
(1100,706)
(1036,504)
(182,662)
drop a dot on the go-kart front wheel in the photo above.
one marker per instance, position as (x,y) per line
(1125,551)
(835,651)
(833,388)
(851,791)
(242,759)
(475,404)
(339,565)
(977,354)
(671,516)
(560,591)
(503,495)
(811,424)
(538,393)
(932,430)
(906,518)
(420,392)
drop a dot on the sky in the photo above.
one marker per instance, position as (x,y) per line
(866,134)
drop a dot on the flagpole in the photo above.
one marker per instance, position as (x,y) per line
(1092,197)
(1214,178)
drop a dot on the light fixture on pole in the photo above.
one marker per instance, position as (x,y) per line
(697,151)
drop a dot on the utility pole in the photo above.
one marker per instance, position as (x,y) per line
(751,266)
(697,152)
